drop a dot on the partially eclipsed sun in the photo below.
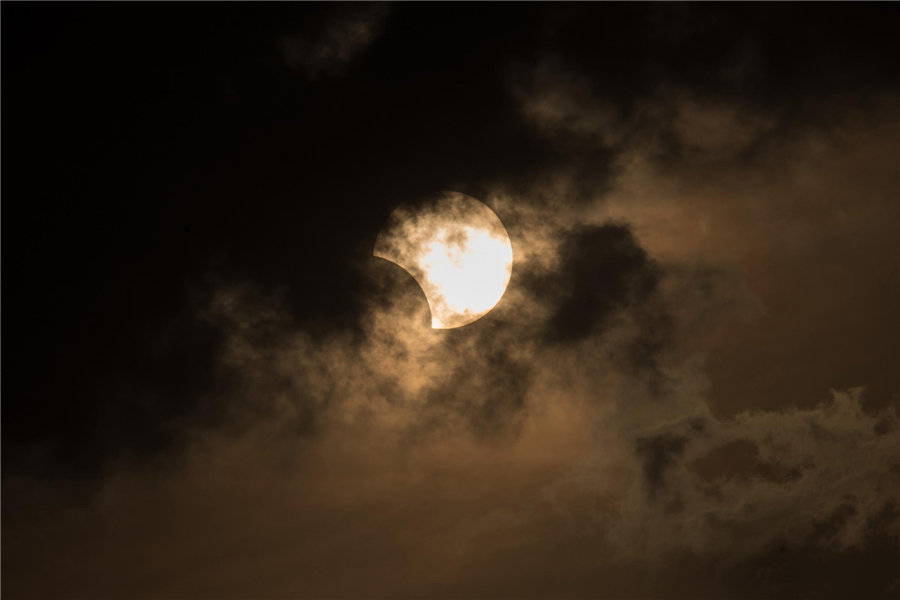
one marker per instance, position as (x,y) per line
(458,251)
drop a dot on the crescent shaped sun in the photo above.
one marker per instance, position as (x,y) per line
(457,250)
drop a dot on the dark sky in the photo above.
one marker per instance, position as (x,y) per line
(211,388)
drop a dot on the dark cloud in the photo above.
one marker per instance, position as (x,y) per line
(601,269)
(491,395)
(740,460)
(657,454)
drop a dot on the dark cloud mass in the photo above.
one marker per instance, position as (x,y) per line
(213,389)
(602,268)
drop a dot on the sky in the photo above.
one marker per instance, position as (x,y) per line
(212,389)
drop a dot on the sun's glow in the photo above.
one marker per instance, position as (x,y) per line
(467,271)
(458,251)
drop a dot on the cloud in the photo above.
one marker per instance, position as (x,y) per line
(473,453)
(561,103)
(669,427)
(328,52)
(802,472)
(601,268)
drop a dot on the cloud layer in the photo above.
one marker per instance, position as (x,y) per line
(688,389)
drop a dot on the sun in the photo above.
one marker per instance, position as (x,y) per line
(457,250)
(467,270)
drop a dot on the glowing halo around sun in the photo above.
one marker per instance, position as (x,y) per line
(457,250)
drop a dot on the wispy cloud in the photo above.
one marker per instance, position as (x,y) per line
(329,52)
